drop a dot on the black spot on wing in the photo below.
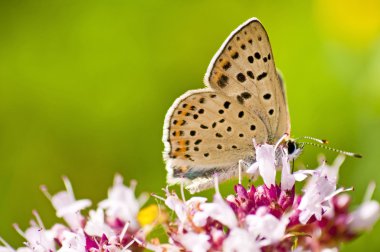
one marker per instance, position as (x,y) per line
(250,74)
(223,81)
(267,96)
(240,99)
(227,104)
(250,59)
(240,77)
(262,76)
(246,95)
(227,65)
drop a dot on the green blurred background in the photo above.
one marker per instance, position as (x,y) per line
(85,85)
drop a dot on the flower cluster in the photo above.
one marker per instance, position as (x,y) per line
(274,216)
(113,226)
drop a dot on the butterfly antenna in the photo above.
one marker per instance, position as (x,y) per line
(321,141)
(350,154)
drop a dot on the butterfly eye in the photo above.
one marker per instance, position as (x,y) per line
(291,147)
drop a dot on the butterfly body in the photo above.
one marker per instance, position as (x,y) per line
(211,130)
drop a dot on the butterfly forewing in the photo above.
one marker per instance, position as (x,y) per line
(244,69)
(203,126)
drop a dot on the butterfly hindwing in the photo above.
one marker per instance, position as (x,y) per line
(206,131)
(244,70)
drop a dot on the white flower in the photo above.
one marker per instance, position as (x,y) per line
(333,249)
(267,226)
(287,178)
(67,207)
(315,199)
(319,190)
(122,202)
(195,242)
(177,205)
(301,175)
(367,214)
(96,225)
(331,171)
(8,249)
(38,239)
(181,208)
(240,240)
(266,163)
(73,242)
(219,210)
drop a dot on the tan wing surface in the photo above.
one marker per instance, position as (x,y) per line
(244,70)
(204,129)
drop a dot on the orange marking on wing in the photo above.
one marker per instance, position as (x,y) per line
(179,149)
(216,75)
(181,122)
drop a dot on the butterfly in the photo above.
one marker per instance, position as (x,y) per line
(210,130)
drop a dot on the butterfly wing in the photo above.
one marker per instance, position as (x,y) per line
(209,130)
(244,70)
(206,132)
(284,118)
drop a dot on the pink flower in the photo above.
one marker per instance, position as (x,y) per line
(98,232)
(270,217)
(262,217)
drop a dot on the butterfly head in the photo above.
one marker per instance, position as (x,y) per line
(294,148)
